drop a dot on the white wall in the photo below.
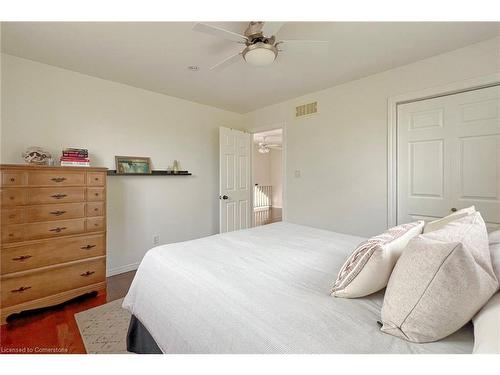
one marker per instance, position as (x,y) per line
(51,107)
(342,151)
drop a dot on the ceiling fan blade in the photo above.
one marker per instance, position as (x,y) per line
(299,45)
(271,28)
(218,32)
(226,62)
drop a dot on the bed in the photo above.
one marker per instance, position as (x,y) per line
(260,290)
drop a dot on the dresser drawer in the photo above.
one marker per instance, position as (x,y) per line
(96,224)
(13,233)
(96,178)
(54,229)
(13,197)
(56,178)
(42,283)
(12,216)
(13,178)
(95,209)
(49,252)
(53,212)
(95,194)
(55,195)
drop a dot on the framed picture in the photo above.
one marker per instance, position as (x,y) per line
(132,165)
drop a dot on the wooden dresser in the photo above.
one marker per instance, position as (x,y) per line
(53,240)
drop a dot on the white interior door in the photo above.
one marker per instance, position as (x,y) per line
(234,187)
(449,155)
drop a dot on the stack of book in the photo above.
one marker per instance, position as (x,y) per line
(75,157)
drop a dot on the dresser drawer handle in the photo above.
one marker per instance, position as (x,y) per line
(88,273)
(12,179)
(88,247)
(58,179)
(58,229)
(21,289)
(21,258)
(59,196)
(58,213)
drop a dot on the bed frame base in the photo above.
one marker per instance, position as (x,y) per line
(139,340)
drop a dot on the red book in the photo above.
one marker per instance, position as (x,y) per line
(66,158)
(75,154)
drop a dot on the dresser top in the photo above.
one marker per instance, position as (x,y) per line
(49,168)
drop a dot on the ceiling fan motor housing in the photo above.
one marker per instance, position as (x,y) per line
(254,29)
(255,35)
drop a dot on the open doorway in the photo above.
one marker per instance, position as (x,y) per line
(267,176)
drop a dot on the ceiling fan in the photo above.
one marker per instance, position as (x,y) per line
(261,45)
(264,147)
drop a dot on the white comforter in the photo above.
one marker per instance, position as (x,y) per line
(262,290)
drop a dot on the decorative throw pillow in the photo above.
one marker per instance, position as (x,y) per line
(487,328)
(439,223)
(440,282)
(369,267)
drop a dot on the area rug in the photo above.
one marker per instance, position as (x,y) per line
(104,328)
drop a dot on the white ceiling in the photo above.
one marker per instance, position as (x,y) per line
(155,55)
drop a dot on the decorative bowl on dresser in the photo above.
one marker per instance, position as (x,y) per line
(53,235)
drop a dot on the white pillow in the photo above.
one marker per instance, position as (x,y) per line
(441,281)
(439,223)
(487,328)
(368,268)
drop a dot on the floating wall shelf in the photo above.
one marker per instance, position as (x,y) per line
(153,173)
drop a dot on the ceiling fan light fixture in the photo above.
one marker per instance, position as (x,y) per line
(260,40)
(264,149)
(260,54)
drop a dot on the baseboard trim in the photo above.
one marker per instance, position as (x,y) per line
(122,269)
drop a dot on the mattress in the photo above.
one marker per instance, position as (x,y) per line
(263,290)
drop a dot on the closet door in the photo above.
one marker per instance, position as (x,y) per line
(449,155)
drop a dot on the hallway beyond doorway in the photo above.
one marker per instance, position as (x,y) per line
(267,176)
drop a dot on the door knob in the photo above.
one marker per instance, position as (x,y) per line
(225,197)
(453,209)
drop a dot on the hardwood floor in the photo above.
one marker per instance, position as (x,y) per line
(53,329)
(266,215)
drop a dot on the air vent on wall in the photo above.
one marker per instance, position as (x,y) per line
(306,109)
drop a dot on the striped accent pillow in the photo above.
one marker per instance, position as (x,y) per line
(368,268)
